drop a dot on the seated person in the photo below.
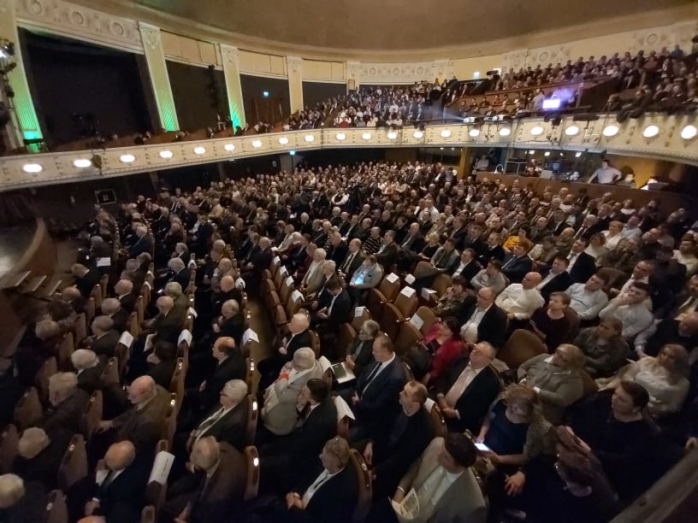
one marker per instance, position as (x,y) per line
(298,336)
(85,279)
(88,367)
(605,350)
(332,496)
(162,363)
(444,261)
(588,299)
(111,308)
(39,455)
(442,345)
(550,323)
(520,300)
(360,352)
(557,379)
(514,430)
(491,277)
(631,310)
(104,338)
(67,404)
(517,265)
(228,364)
(213,489)
(279,413)
(483,320)
(451,303)
(21,502)
(469,389)
(669,330)
(368,275)
(557,278)
(230,323)
(663,377)
(336,312)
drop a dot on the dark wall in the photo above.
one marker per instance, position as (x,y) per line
(315,92)
(257,107)
(199,95)
(68,77)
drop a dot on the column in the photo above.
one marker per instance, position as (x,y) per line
(294,70)
(233,87)
(24,124)
(353,75)
(159,79)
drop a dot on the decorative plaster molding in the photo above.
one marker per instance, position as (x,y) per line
(294,64)
(230,54)
(667,145)
(402,73)
(79,22)
(151,35)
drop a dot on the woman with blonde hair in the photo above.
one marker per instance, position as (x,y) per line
(664,378)
(557,379)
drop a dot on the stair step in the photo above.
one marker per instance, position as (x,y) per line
(33,284)
(14,281)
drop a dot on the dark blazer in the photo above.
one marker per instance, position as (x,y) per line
(395,451)
(341,310)
(231,428)
(262,259)
(105,345)
(365,356)
(67,415)
(379,399)
(338,253)
(142,245)
(231,368)
(335,500)
(90,380)
(469,271)
(144,427)
(497,252)
(167,328)
(492,327)
(44,466)
(299,341)
(233,327)
(162,372)
(125,494)
(86,283)
(182,277)
(307,441)
(516,268)
(388,257)
(120,319)
(583,268)
(355,264)
(413,243)
(558,283)
(222,496)
(475,401)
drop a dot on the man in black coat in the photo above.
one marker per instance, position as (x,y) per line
(40,454)
(352,260)
(375,399)
(482,320)
(298,337)
(557,279)
(337,311)
(581,265)
(230,366)
(469,389)
(67,404)
(518,264)
(85,279)
(390,454)
(387,254)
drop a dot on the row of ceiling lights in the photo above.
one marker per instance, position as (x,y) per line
(687,133)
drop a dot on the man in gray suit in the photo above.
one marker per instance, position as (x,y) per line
(445,260)
(444,484)
(368,275)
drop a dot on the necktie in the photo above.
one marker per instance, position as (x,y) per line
(371,376)
(108,480)
(329,309)
(580,232)
(209,422)
(348,261)
(439,258)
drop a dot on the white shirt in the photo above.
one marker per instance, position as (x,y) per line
(545,280)
(612,241)
(323,478)
(469,328)
(635,317)
(380,369)
(434,487)
(586,304)
(689,261)
(461,268)
(607,175)
(520,302)
(458,388)
(631,233)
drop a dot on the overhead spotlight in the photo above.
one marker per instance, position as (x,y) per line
(578,154)
(392,135)
(341,136)
(546,153)
(504,131)
(445,133)
(562,154)
(650,131)
(283,140)
(230,147)
(572,130)
(474,133)
(531,152)
(309,138)
(418,134)
(127,158)
(256,144)
(610,130)
(537,130)
(165,155)
(199,150)
(689,132)
(292,153)
(32,168)
(82,163)
(366,136)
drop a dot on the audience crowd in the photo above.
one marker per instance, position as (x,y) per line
(431,348)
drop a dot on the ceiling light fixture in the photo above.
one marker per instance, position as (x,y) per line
(199,150)
(82,163)
(418,134)
(366,136)
(283,140)
(610,130)
(341,137)
(689,132)
(537,130)
(309,138)
(546,153)
(166,154)
(572,130)
(474,133)
(578,154)
(505,131)
(256,144)
(230,147)
(127,158)
(445,133)
(32,168)
(392,135)
(650,131)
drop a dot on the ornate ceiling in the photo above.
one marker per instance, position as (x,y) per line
(397,25)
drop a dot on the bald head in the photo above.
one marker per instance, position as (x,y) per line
(120,455)
(70,294)
(141,390)
(164,304)
(531,280)
(205,453)
(227,283)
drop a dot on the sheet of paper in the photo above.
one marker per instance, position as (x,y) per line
(409,279)
(427,293)
(289,281)
(101,475)
(343,409)
(296,296)
(161,467)
(185,336)
(348,375)
(192,312)
(248,335)
(392,277)
(147,284)
(103,262)
(324,363)
(276,260)
(359,311)
(126,339)
(417,321)
(149,341)
(407,292)
(283,270)
(429,404)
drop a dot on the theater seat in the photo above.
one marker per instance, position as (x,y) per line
(437,421)
(28,410)
(56,509)
(148,514)
(363,480)
(93,414)
(48,369)
(521,346)
(155,492)
(614,276)
(386,292)
(347,335)
(73,467)
(252,419)
(252,459)
(249,376)
(110,374)
(315,342)
(427,317)
(9,440)
(407,337)
(80,328)
(396,313)
(65,350)
(359,319)
(170,423)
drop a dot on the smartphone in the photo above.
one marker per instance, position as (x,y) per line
(482,447)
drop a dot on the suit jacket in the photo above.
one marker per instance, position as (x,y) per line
(86,283)
(469,271)
(125,494)
(462,501)
(584,267)
(162,372)
(128,302)
(67,414)
(105,345)
(90,380)
(379,399)
(341,311)
(231,428)
(182,277)
(143,427)
(231,368)
(388,256)
(307,441)
(142,245)
(233,327)
(476,399)
(338,253)
(516,268)
(558,283)
(497,252)
(445,260)
(395,451)
(167,328)
(279,413)
(351,269)
(44,466)
(262,259)
(300,340)
(335,500)
(492,327)
(215,500)
(413,243)
(365,356)
(371,277)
